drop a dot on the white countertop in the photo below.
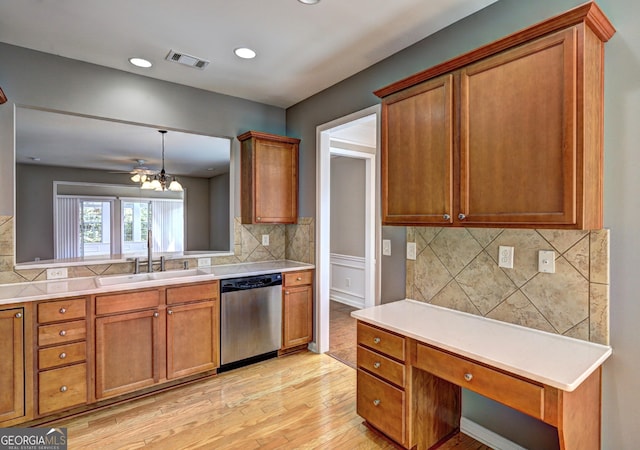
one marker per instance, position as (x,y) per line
(548,358)
(43,290)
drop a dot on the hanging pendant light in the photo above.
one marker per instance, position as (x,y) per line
(160,181)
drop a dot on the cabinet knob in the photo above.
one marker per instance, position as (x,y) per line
(62,333)
(376,340)
(468,376)
(376,402)
(156,314)
(63,389)
(376,365)
(286,292)
(63,310)
(169,312)
(18,315)
(258,219)
(299,279)
(461,216)
(62,355)
(446,217)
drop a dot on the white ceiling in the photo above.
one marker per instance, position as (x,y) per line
(302,49)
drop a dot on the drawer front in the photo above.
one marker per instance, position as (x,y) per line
(382,341)
(514,392)
(60,333)
(193,293)
(61,355)
(127,301)
(380,365)
(62,388)
(382,405)
(298,278)
(62,310)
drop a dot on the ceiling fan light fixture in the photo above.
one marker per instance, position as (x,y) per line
(175,186)
(140,62)
(309,2)
(146,185)
(245,53)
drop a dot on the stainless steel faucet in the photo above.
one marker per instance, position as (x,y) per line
(136,265)
(162,261)
(149,251)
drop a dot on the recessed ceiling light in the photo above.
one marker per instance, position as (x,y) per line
(309,2)
(140,62)
(244,53)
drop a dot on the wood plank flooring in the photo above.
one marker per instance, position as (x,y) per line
(342,333)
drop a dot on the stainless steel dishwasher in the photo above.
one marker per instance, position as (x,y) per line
(250,319)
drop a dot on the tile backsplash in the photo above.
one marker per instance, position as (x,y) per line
(458,268)
(295,242)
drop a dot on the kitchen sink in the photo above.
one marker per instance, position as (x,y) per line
(113,280)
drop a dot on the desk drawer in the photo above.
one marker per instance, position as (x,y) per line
(61,355)
(75,308)
(62,388)
(382,341)
(514,392)
(380,365)
(382,405)
(60,333)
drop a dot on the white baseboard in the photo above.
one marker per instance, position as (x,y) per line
(486,436)
(349,300)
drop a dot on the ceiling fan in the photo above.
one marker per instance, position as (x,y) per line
(140,172)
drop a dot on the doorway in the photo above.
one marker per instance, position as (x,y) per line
(354,137)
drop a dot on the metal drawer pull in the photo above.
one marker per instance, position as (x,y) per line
(461,216)
(299,279)
(156,314)
(63,333)
(376,402)
(286,292)
(376,365)
(376,340)
(18,315)
(468,376)
(63,355)
(169,312)
(446,217)
(63,389)
(63,310)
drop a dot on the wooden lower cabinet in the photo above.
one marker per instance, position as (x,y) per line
(12,379)
(382,405)
(297,309)
(192,338)
(126,352)
(62,388)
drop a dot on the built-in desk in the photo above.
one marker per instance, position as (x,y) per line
(413,359)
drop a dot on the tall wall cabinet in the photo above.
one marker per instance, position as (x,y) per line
(269,178)
(508,135)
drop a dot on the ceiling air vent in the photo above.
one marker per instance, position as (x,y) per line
(187,60)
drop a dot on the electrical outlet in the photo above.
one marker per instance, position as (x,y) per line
(386,247)
(204,262)
(265,240)
(505,257)
(547,261)
(57,273)
(347,282)
(411,250)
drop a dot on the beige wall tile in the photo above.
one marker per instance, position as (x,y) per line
(599,313)
(455,248)
(430,275)
(453,297)
(599,257)
(526,245)
(562,240)
(519,310)
(578,256)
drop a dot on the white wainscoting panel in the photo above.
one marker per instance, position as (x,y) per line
(347,280)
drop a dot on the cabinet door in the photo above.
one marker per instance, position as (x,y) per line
(276,182)
(192,338)
(11,364)
(518,144)
(297,326)
(126,346)
(417,154)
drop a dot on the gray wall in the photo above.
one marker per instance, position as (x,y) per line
(393,277)
(38,79)
(219,228)
(621,397)
(347,206)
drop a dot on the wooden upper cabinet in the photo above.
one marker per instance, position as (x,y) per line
(508,135)
(417,184)
(269,178)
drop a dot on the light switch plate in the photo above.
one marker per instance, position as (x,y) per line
(204,262)
(505,257)
(265,240)
(547,261)
(57,273)
(411,250)
(386,247)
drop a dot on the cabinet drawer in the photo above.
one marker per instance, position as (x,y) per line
(60,333)
(62,388)
(382,405)
(298,278)
(380,365)
(62,310)
(381,341)
(61,355)
(193,293)
(514,392)
(127,301)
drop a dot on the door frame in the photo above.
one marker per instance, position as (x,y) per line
(323,221)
